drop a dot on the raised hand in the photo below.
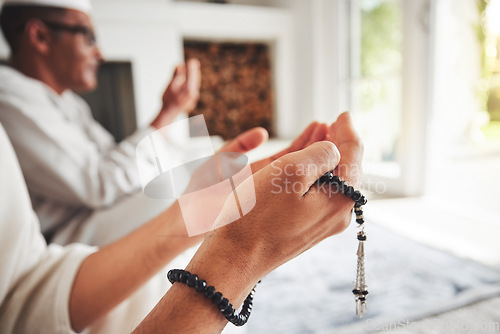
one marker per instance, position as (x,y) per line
(182,93)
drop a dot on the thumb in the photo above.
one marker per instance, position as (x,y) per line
(246,141)
(308,165)
(179,76)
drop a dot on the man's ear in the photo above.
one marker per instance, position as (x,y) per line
(38,36)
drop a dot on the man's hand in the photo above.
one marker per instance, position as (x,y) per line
(182,93)
(233,258)
(289,217)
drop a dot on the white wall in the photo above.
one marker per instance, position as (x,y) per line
(144,32)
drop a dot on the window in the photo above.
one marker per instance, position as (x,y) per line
(376,76)
(489,36)
(386,86)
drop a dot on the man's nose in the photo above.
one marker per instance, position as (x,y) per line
(98,54)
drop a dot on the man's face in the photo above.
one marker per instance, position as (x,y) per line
(74,56)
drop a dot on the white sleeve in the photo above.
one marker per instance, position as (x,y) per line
(71,162)
(35,280)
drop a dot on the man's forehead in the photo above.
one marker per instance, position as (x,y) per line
(76,17)
(78,5)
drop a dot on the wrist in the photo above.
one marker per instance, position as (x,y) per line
(172,238)
(231,269)
(165,116)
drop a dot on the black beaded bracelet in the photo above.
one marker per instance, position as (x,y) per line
(227,309)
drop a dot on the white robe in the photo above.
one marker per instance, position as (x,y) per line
(73,168)
(83,186)
(35,280)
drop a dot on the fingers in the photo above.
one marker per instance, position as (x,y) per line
(183,91)
(319,133)
(193,75)
(246,141)
(342,134)
(301,141)
(309,164)
(343,129)
(314,132)
(188,75)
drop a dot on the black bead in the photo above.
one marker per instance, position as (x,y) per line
(183,276)
(223,303)
(358,211)
(210,292)
(170,276)
(175,276)
(365,292)
(191,281)
(232,317)
(335,179)
(246,311)
(200,285)
(356,196)
(228,310)
(217,298)
(360,221)
(362,299)
(349,191)
(242,319)
(361,237)
(356,291)
(325,178)
(362,200)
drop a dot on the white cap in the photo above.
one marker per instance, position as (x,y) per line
(80,5)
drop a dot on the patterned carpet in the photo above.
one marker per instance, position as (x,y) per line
(406,280)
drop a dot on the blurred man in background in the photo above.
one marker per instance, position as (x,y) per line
(73,167)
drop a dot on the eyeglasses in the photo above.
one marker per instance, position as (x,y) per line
(74,29)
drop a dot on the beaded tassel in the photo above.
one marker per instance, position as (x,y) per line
(360,290)
(359,200)
(360,283)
